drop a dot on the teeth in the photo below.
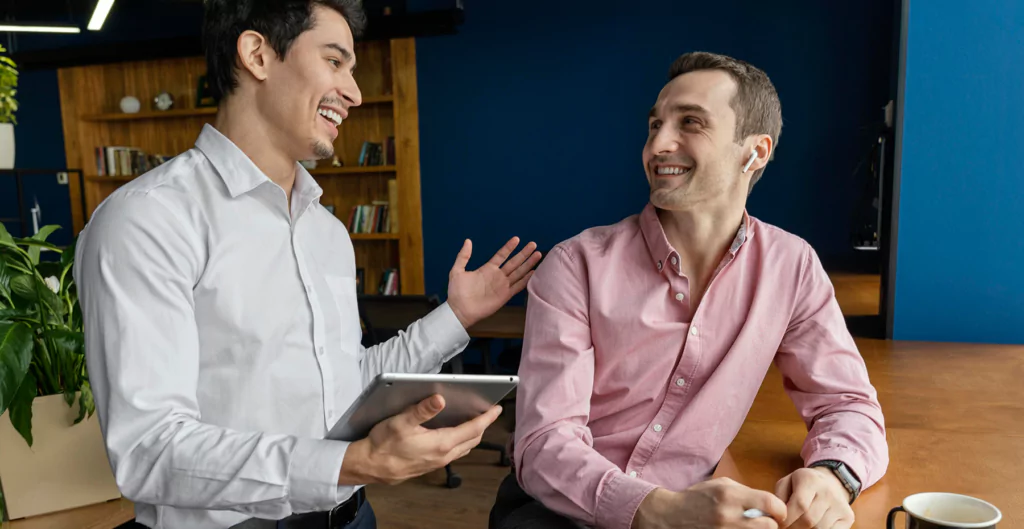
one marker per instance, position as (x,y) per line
(331,115)
(671,170)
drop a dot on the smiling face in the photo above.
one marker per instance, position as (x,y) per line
(691,156)
(306,96)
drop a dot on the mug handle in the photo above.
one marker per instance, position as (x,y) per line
(892,517)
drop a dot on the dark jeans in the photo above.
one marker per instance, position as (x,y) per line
(515,509)
(365,519)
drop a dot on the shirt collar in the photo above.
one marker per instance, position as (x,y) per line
(662,252)
(241,175)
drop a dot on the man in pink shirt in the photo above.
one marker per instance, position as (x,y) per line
(647,341)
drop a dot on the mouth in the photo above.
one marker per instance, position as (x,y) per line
(331,116)
(666,170)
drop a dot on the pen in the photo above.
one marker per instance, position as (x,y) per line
(753,513)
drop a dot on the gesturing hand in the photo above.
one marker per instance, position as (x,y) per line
(476,295)
(815,499)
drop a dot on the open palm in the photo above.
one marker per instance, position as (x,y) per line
(476,295)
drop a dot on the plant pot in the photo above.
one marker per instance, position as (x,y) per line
(66,467)
(6,146)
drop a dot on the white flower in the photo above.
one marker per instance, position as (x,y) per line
(53,283)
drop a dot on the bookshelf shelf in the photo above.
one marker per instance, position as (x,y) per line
(198,112)
(388,121)
(374,236)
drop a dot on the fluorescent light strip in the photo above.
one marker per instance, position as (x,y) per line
(99,15)
(39,29)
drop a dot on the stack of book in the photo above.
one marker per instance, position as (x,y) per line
(370,218)
(389,283)
(125,161)
(377,153)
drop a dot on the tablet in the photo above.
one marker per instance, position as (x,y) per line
(465,397)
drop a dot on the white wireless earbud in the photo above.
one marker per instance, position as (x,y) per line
(750,161)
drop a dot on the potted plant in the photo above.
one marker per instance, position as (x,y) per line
(8,106)
(51,450)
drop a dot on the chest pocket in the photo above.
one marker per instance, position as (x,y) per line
(343,293)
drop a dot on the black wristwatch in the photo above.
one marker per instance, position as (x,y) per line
(845,475)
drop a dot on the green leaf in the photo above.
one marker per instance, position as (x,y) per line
(15,356)
(21,408)
(68,256)
(67,342)
(5,238)
(24,286)
(5,278)
(40,236)
(13,314)
(85,402)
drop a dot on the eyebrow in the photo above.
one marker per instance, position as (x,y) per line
(682,109)
(345,53)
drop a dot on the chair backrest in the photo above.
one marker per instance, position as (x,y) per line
(385,316)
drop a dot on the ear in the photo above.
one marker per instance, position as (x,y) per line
(254,54)
(763,145)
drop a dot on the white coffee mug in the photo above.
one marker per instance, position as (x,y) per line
(942,510)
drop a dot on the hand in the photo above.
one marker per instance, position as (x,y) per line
(400,448)
(718,503)
(476,295)
(815,498)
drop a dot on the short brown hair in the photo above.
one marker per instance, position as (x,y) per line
(756,103)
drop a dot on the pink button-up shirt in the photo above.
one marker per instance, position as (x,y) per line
(620,394)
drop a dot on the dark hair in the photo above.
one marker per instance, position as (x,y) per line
(756,103)
(280,21)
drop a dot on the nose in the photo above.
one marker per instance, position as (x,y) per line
(350,92)
(664,141)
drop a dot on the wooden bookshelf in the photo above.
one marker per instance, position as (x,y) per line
(90,99)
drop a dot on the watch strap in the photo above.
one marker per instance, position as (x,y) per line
(844,474)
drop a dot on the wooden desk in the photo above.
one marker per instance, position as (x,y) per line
(509,322)
(100,516)
(955,423)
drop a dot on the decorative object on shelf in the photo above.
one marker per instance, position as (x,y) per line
(53,457)
(163,101)
(336,162)
(203,96)
(308,164)
(130,105)
(8,106)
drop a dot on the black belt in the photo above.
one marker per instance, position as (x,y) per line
(336,518)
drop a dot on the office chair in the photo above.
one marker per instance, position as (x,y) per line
(382,319)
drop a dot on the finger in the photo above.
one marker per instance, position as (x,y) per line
(471,429)
(462,259)
(521,284)
(784,488)
(829,519)
(524,267)
(763,522)
(422,411)
(518,259)
(813,515)
(799,504)
(767,502)
(463,449)
(504,252)
(845,521)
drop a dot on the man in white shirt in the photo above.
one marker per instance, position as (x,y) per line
(219,300)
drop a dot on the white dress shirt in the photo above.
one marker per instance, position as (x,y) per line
(223,340)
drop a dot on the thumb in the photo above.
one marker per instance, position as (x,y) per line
(462,259)
(784,488)
(772,506)
(424,410)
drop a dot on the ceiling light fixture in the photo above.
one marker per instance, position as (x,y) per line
(38,28)
(99,15)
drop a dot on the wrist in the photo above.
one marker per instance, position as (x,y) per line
(357,467)
(835,483)
(650,511)
(460,314)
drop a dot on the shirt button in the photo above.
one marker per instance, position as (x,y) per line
(680,296)
(657,427)
(680,382)
(674,260)
(659,265)
(632,474)
(693,330)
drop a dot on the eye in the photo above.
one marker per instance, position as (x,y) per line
(690,121)
(335,63)
(654,125)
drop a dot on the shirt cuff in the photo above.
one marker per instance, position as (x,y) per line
(619,500)
(313,475)
(444,329)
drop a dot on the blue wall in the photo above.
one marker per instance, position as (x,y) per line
(532,120)
(960,254)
